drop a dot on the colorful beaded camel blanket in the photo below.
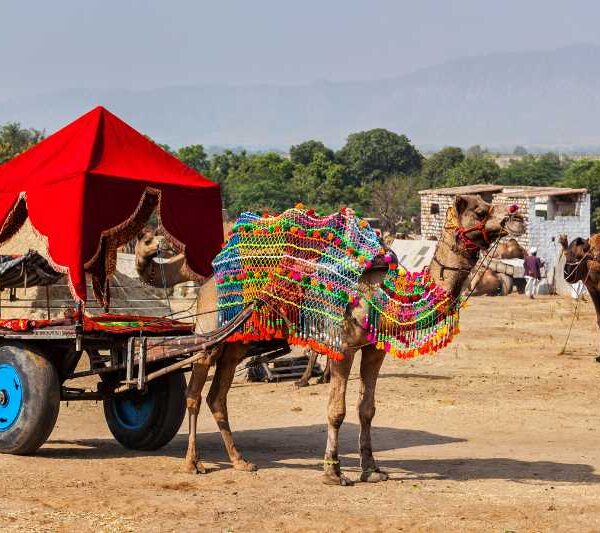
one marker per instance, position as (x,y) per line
(304,270)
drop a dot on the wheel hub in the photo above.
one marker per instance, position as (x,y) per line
(11,396)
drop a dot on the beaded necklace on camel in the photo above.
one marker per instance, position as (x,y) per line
(304,270)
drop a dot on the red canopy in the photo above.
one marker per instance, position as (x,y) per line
(90,188)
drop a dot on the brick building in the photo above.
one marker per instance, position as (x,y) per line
(549,211)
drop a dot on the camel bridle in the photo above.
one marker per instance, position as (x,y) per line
(463,244)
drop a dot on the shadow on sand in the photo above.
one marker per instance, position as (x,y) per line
(297,444)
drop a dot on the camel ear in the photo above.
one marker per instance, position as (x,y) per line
(460,204)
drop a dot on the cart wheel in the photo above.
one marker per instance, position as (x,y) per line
(29,399)
(148,421)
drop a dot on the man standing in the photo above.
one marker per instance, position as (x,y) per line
(533,273)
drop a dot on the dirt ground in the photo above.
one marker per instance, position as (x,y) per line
(497,433)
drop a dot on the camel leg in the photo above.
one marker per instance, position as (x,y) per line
(340,371)
(217,402)
(370,365)
(312,359)
(595,297)
(194,398)
(326,377)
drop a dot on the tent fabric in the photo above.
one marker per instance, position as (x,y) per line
(91,186)
(29,270)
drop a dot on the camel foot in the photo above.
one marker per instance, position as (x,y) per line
(193,467)
(301,383)
(323,380)
(244,466)
(373,476)
(339,480)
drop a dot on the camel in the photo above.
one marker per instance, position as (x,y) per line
(582,263)
(169,272)
(490,283)
(455,256)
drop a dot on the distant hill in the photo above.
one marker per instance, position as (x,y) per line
(541,98)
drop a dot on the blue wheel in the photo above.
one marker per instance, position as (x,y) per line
(149,420)
(11,396)
(134,413)
(29,398)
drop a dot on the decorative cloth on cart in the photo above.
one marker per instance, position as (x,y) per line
(110,323)
(411,315)
(304,268)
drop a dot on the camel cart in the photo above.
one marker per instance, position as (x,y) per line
(89,189)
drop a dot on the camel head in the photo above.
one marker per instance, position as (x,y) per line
(563,240)
(146,247)
(478,224)
(576,254)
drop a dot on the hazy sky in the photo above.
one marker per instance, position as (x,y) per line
(153,43)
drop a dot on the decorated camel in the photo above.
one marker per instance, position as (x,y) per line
(381,309)
(582,263)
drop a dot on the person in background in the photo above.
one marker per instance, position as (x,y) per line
(533,273)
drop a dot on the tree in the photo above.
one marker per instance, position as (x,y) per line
(259,182)
(520,150)
(14,139)
(194,157)
(320,184)
(585,174)
(395,201)
(379,153)
(304,153)
(538,171)
(436,167)
(473,170)
(476,151)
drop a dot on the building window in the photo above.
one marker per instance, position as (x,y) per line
(434,209)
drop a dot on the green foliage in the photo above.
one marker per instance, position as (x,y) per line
(473,170)
(320,184)
(540,171)
(585,174)
(14,140)
(304,153)
(437,166)
(194,157)
(259,182)
(377,154)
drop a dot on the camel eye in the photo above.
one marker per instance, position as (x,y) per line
(481,213)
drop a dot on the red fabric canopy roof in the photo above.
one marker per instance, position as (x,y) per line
(91,186)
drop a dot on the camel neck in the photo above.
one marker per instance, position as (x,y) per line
(450,269)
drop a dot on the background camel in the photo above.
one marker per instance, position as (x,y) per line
(490,283)
(582,263)
(456,254)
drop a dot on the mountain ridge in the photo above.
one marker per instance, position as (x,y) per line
(531,98)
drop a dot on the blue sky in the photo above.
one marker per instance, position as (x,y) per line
(141,44)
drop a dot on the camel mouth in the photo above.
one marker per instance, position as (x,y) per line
(514,225)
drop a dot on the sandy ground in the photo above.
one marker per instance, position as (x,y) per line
(497,433)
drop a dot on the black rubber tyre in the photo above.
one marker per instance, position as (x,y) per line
(29,398)
(150,420)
